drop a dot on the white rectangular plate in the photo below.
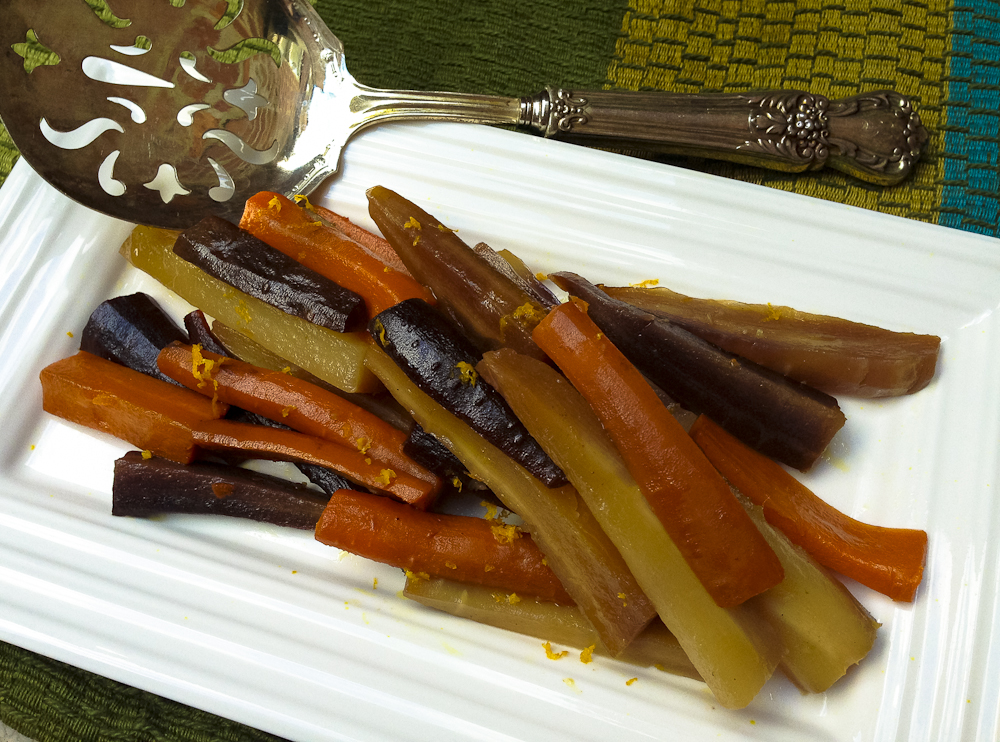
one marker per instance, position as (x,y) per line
(274,630)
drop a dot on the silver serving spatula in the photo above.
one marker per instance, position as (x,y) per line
(163,112)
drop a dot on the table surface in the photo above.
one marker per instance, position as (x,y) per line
(942,54)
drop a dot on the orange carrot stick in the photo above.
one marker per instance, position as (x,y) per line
(275,444)
(373,243)
(699,512)
(279,222)
(294,402)
(455,546)
(889,560)
(148,413)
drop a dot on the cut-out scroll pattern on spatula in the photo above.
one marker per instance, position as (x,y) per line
(216,72)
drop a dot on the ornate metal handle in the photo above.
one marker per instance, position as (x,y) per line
(874,136)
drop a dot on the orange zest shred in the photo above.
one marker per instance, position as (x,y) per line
(243,312)
(204,370)
(527,315)
(551,654)
(505,534)
(467,373)
(380,328)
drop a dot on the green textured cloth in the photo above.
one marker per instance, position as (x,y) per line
(943,54)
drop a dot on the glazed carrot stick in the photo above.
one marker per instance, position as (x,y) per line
(889,560)
(294,402)
(151,414)
(276,444)
(551,622)
(279,222)
(698,510)
(455,546)
(373,243)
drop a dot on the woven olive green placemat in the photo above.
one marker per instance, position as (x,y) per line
(51,701)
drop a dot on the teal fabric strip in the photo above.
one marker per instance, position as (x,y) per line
(970,199)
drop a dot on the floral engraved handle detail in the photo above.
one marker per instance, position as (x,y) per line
(876,136)
(790,124)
